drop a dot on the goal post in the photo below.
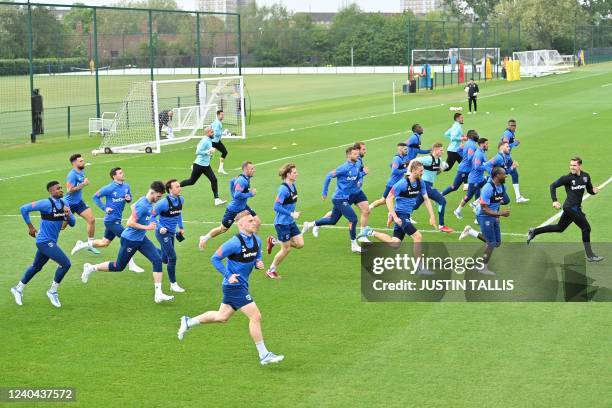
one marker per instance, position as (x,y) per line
(158,113)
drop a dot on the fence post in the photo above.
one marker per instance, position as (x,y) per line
(239,47)
(30,64)
(198,45)
(96,62)
(519,35)
(408,51)
(575,28)
(151,50)
(68,122)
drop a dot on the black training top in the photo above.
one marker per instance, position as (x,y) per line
(575,185)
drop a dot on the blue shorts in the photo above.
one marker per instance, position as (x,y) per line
(474,190)
(286,232)
(230,216)
(79,207)
(128,250)
(113,229)
(357,197)
(489,228)
(387,191)
(236,296)
(405,229)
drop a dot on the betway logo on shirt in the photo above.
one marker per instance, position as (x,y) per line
(580,187)
(117,200)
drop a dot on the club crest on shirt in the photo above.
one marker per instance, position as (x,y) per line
(573,181)
(584,179)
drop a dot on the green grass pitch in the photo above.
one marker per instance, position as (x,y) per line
(111,342)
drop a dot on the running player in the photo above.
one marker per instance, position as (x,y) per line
(217,127)
(241,191)
(243,253)
(398,170)
(170,213)
(75,182)
(465,165)
(400,202)
(115,194)
(414,142)
(492,197)
(201,165)
(509,136)
(575,183)
(357,196)
(288,233)
(55,215)
(476,177)
(433,165)
(347,175)
(134,238)
(454,133)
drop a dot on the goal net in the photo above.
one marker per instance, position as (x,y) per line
(541,62)
(227,61)
(158,113)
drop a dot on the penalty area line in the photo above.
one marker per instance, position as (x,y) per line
(558,214)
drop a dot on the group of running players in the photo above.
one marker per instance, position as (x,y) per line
(411,183)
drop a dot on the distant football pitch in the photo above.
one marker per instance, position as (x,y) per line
(116,347)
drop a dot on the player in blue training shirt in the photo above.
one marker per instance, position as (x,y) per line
(347,175)
(75,182)
(509,136)
(465,165)
(134,238)
(398,170)
(241,191)
(287,232)
(401,202)
(492,197)
(115,195)
(217,127)
(243,253)
(455,134)
(357,196)
(434,165)
(55,215)
(476,177)
(414,142)
(169,211)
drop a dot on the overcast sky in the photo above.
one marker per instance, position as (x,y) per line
(388,6)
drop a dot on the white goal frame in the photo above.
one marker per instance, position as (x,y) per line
(210,94)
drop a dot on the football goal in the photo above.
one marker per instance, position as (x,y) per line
(158,113)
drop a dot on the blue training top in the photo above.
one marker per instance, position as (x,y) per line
(73,179)
(114,194)
(398,169)
(242,252)
(52,216)
(414,146)
(469,148)
(169,211)
(508,136)
(143,213)
(285,203)
(239,189)
(406,194)
(493,197)
(479,161)
(347,175)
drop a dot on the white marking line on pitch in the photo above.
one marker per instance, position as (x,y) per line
(335,227)
(337,122)
(605,85)
(558,215)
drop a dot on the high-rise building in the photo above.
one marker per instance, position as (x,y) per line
(219,6)
(421,6)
